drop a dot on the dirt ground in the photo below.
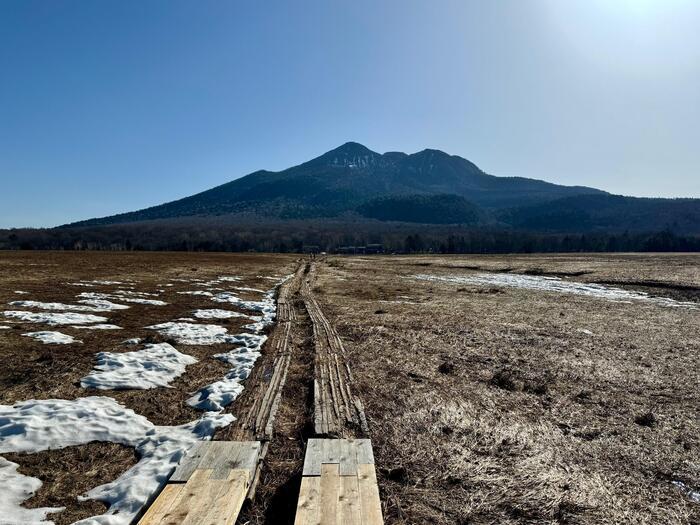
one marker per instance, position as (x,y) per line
(486,404)
(503,405)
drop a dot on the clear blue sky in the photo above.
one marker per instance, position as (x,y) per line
(111,106)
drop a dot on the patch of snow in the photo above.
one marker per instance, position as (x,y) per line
(102,305)
(197,292)
(17,488)
(555,284)
(96,296)
(33,426)
(216,396)
(692,494)
(4,327)
(103,326)
(154,366)
(215,313)
(96,282)
(247,289)
(91,306)
(54,318)
(194,334)
(52,338)
(21,292)
(266,306)
(132,341)
(584,331)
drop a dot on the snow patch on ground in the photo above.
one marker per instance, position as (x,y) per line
(33,426)
(97,296)
(16,488)
(132,341)
(555,284)
(103,326)
(87,306)
(54,318)
(216,396)
(193,334)
(215,313)
(52,338)
(21,292)
(693,495)
(154,366)
(4,327)
(197,292)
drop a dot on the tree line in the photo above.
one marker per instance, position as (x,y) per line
(294,236)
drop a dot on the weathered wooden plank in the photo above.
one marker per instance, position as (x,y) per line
(309,506)
(162,505)
(331,451)
(348,510)
(223,508)
(313,457)
(190,497)
(348,457)
(189,463)
(330,487)
(371,506)
(235,455)
(365,455)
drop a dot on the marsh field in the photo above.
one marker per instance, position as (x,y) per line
(497,389)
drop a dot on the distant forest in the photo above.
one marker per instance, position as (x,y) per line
(333,237)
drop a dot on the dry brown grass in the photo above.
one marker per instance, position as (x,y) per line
(531,420)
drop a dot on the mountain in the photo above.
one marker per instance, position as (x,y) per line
(431,186)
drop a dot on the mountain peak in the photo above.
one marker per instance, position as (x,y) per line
(350,155)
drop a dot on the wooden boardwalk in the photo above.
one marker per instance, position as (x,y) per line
(208,487)
(339,484)
(337,410)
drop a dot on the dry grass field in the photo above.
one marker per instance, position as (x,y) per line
(494,404)
(497,389)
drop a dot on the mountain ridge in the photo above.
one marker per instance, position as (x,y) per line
(429,186)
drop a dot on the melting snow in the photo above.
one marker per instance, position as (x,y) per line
(216,396)
(554,284)
(54,318)
(33,426)
(87,306)
(215,313)
(132,341)
(52,338)
(96,296)
(197,292)
(21,292)
(154,366)
(194,334)
(16,488)
(103,326)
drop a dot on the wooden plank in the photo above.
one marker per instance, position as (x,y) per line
(330,487)
(309,507)
(188,498)
(312,458)
(223,459)
(224,507)
(348,510)
(162,504)
(348,457)
(189,463)
(365,456)
(371,506)
(331,451)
